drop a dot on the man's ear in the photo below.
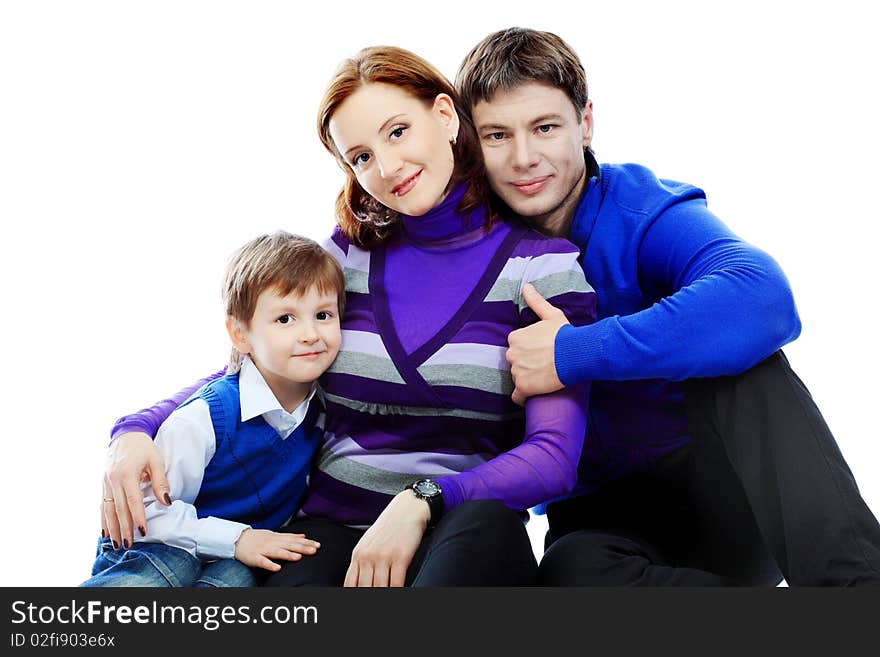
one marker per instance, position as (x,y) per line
(586,118)
(238,334)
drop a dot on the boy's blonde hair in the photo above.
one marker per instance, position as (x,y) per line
(286,262)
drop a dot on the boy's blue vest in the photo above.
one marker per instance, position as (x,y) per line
(255,477)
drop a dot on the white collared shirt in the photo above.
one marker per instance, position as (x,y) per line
(186,441)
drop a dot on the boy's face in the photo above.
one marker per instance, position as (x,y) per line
(533,142)
(292,339)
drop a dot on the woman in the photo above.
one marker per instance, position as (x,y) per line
(421,388)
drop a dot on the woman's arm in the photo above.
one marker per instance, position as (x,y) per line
(545,464)
(542,467)
(133,458)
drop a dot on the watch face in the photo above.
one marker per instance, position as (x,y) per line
(426,488)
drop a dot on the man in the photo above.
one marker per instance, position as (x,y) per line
(706,461)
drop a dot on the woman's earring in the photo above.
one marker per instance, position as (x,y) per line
(452,139)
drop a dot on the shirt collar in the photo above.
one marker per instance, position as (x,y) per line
(257,397)
(588,207)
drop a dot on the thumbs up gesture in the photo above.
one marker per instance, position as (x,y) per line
(531,352)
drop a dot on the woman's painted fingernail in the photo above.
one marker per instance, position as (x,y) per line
(125,543)
(115,545)
(167,499)
(103,534)
(142,530)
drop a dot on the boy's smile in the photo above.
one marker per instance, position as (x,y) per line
(292,340)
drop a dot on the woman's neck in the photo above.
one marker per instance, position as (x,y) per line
(443,225)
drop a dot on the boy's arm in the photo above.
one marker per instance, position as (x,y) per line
(186,443)
(132,458)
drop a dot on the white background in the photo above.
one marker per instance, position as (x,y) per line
(141,143)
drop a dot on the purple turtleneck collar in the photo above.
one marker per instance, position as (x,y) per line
(443,223)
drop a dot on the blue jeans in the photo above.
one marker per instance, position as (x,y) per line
(157,564)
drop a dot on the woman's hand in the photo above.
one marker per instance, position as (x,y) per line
(132,458)
(255,547)
(385,551)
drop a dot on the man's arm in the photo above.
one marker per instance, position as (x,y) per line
(723,306)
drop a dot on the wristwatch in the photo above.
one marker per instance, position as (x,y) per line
(429,490)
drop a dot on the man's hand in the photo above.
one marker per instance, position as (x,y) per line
(255,547)
(132,458)
(385,551)
(530,355)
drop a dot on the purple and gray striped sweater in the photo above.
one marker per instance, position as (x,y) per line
(421,386)
(430,395)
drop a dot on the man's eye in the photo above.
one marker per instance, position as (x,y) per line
(547,127)
(285,319)
(495,136)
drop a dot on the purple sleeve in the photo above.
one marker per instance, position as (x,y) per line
(148,420)
(542,467)
(545,464)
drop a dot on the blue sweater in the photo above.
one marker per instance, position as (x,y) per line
(255,477)
(679,296)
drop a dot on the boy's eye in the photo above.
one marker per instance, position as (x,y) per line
(285,319)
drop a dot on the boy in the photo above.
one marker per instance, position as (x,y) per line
(238,452)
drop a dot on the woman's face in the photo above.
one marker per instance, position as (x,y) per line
(397,146)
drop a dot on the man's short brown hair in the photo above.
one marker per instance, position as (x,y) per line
(516,56)
(286,262)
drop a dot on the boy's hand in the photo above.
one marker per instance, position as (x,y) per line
(255,546)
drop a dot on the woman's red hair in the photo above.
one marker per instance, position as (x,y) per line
(364,220)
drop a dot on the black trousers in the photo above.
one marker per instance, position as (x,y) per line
(761,492)
(479,543)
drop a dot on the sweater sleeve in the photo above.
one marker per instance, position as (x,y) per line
(148,420)
(723,306)
(545,464)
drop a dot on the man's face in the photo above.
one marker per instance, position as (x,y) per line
(533,143)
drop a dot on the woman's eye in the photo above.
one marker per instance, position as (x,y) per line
(323,315)
(397,133)
(361,159)
(495,136)
(285,319)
